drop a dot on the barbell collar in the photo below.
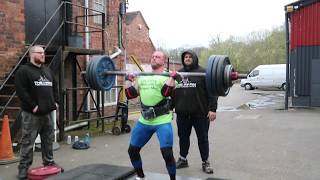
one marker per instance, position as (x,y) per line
(235,76)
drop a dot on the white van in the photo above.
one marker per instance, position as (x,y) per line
(271,75)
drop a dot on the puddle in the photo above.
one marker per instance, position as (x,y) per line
(227,108)
(261,93)
(262,102)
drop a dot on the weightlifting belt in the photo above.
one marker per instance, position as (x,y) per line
(151,112)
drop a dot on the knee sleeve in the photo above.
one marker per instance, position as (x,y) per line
(134,153)
(167,155)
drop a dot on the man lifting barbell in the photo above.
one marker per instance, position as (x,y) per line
(153,87)
(156,115)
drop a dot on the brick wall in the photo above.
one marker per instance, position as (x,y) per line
(138,42)
(12,34)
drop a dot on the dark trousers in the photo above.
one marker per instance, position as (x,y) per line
(32,125)
(201,126)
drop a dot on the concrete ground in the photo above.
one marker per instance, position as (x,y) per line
(253,138)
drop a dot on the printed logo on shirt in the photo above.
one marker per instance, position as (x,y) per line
(43,81)
(185,83)
(148,84)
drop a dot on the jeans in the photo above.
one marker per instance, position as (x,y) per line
(32,125)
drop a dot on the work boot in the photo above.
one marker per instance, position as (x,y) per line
(182,163)
(53,164)
(23,174)
(206,167)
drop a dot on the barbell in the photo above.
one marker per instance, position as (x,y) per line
(219,75)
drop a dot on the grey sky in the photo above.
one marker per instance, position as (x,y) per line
(176,23)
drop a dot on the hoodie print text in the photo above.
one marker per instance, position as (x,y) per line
(43,81)
(185,83)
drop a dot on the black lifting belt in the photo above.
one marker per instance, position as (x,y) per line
(150,112)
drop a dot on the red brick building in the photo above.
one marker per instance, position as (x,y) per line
(72,32)
(12,36)
(138,42)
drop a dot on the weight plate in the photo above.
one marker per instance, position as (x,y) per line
(93,70)
(91,76)
(88,78)
(103,81)
(95,76)
(222,88)
(208,74)
(227,75)
(219,75)
(213,76)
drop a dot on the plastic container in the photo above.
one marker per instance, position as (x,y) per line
(87,139)
(69,140)
(76,138)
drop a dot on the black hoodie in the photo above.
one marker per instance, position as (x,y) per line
(191,95)
(36,86)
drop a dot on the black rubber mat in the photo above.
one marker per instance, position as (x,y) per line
(96,172)
(109,172)
(158,176)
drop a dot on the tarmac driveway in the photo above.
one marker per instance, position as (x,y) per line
(253,138)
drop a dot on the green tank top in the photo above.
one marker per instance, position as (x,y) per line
(150,95)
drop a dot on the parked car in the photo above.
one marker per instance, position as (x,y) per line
(270,75)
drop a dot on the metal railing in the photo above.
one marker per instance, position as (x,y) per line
(61,8)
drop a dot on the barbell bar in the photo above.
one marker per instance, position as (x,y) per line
(138,73)
(219,75)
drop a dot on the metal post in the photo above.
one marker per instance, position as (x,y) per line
(98,107)
(74,85)
(61,79)
(67,107)
(102,108)
(287,63)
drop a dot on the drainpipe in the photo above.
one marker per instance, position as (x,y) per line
(115,54)
(87,42)
(122,12)
(120,31)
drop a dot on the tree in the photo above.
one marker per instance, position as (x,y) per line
(245,53)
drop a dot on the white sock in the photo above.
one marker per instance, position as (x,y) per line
(183,158)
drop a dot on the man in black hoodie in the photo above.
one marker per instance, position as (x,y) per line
(194,108)
(38,93)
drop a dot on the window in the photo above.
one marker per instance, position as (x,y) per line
(111,96)
(98,5)
(254,73)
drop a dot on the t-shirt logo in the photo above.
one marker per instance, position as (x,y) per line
(185,83)
(43,81)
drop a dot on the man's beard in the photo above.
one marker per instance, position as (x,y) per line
(155,66)
(38,61)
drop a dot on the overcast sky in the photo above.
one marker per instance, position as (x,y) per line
(176,23)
